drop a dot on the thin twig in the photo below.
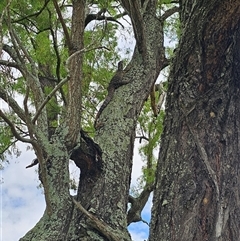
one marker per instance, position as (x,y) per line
(13,129)
(57,87)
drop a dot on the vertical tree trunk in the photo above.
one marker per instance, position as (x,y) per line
(54,155)
(107,195)
(197,189)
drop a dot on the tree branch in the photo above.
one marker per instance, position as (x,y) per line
(13,54)
(142,138)
(110,233)
(10,64)
(60,84)
(30,75)
(36,14)
(169,12)
(28,119)
(65,30)
(13,104)
(1,28)
(84,50)
(18,44)
(13,129)
(100,16)
(137,205)
(57,87)
(55,46)
(134,10)
(126,5)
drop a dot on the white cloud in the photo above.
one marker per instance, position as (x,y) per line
(22,204)
(139,231)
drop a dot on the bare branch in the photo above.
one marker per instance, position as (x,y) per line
(169,12)
(100,16)
(10,64)
(55,46)
(13,129)
(110,233)
(28,120)
(135,13)
(36,14)
(33,163)
(65,30)
(13,54)
(142,138)
(12,103)
(57,87)
(84,50)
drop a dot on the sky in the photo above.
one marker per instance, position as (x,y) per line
(23,204)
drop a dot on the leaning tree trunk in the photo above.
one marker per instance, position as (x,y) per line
(197,188)
(104,194)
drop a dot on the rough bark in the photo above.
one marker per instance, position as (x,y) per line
(197,189)
(73,123)
(53,153)
(107,194)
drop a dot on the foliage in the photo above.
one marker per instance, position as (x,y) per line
(37,26)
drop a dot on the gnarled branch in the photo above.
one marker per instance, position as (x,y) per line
(137,205)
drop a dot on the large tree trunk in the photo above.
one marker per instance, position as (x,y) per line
(106,195)
(197,188)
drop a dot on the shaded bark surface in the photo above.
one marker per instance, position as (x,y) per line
(197,190)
